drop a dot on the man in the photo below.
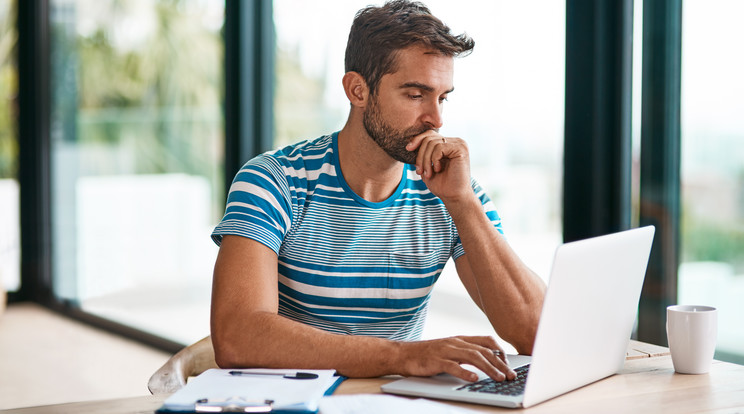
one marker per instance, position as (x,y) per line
(329,248)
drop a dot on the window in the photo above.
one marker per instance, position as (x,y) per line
(137,150)
(9,190)
(508,105)
(712,188)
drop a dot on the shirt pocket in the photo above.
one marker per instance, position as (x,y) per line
(411,276)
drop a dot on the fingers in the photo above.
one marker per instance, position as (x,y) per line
(448,355)
(482,359)
(418,139)
(490,357)
(499,353)
(432,149)
(490,343)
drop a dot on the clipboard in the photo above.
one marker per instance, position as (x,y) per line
(277,391)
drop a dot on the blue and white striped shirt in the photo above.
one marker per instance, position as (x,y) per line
(346,265)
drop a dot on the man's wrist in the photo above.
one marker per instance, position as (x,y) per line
(395,360)
(462,205)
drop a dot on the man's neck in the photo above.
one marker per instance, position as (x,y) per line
(368,170)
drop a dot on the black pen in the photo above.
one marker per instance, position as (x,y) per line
(296,375)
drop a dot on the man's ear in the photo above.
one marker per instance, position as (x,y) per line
(356,89)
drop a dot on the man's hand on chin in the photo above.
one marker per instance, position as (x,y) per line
(444,164)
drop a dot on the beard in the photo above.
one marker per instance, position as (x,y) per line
(392,140)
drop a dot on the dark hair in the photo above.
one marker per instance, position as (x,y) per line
(378,33)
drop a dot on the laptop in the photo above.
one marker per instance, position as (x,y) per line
(585,326)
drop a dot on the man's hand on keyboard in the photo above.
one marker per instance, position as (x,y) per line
(427,358)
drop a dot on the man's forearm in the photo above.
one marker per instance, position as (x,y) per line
(272,341)
(510,293)
(263,339)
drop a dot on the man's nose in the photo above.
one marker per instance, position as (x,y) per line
(433,116)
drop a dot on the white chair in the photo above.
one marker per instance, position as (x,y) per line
(188,362)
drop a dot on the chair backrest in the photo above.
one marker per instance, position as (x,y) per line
(188,362)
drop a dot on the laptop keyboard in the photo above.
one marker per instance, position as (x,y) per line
(507,387)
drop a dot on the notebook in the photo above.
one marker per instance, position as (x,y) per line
(587,318)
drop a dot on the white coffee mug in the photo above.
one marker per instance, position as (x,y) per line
(692,331)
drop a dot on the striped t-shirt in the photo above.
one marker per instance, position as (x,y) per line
(346,265)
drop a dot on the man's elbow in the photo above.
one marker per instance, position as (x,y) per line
(226,355)
(524,345)
(524,339)
(229,351)
(240,345)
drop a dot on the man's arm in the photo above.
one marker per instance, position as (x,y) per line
(508,292)
(248,332)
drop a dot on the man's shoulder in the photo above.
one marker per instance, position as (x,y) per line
(306,149)
(302,155)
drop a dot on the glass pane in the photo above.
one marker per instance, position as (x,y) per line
(137,155)
(712,269)
(10,243)
(509,105)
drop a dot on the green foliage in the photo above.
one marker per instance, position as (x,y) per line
(8,91)
(144,102)
(709,240)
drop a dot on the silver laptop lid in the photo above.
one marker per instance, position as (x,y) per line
(588,313)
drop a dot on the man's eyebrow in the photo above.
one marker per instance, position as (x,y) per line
(422,86)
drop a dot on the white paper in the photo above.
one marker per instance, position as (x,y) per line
(219,384)
(388,404)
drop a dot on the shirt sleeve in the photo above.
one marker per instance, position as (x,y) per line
(258,204)
(490,211)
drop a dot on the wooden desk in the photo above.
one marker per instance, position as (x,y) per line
(647,384)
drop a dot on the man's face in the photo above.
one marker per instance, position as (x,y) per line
(409,101)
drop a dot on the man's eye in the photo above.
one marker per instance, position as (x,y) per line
(415,96)
(442,99)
